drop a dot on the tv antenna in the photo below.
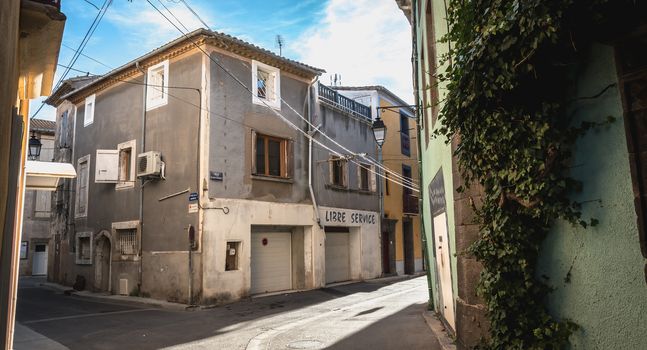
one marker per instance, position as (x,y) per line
(280,42)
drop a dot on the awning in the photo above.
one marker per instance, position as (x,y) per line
(44,175)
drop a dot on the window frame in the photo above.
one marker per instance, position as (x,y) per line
(369,186)
(405,135)
(344,171)
(238,246)
(77,213)
(285,151)
(129,182)
(88,118)
(152,103)
(274,73)
(127,226)
(24,248)
(78,259)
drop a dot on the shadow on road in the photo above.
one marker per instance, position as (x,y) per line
(81,323)
(407,323)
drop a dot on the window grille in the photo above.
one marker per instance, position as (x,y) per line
(128,242)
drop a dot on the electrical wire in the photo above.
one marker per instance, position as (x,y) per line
(354,154)
(79,50)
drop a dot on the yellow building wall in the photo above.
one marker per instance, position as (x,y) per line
(393,159)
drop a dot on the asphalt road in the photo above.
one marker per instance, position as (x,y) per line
(370,315)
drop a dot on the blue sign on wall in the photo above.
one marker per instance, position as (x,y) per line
(193,196)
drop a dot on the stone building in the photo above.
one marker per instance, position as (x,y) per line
(34,239)
(194,177)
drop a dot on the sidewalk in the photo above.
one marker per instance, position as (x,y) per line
(437,327)
(25,338)
(120,298)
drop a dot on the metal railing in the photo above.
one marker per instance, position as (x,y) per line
(344,103)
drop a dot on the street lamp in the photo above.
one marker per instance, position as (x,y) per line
(34,147)
(379,132)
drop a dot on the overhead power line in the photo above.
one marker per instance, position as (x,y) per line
(355,154)
(79,50)
(409,184)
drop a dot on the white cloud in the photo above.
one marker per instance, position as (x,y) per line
(366,41)
(148,29)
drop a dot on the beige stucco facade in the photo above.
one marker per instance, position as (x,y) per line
(234,220)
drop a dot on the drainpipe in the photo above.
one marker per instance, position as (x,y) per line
(312,132)
(419,111)
(141,189)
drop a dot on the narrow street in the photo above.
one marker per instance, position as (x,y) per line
(368,315)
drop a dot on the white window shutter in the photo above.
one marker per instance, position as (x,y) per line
(372,176)
(107,166)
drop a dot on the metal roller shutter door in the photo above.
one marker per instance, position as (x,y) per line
(337,257)
(271,264)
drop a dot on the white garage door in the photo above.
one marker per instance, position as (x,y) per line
(271,262)
(337,256)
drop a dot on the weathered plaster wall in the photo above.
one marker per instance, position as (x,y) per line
(164,242)
(357,136)
(224,286)
(598,272)
(233,118)
(365,252)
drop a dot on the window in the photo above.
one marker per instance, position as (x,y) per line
(366,177)
(126,164)
(231,256)
(117,165)
(127,241)
(82,182)
(266,83)
(387,190)
(272,156)
(24,248)
(84,248)
(43,204)
(88,114)
(338,171)
(157,88)
(127,238)
(405,142)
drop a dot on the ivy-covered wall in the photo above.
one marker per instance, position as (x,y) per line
(597,272)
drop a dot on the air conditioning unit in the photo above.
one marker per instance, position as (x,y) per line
(149,164)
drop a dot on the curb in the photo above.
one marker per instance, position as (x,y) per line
(117,298)
(446,343)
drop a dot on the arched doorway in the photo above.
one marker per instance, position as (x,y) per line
(102,260)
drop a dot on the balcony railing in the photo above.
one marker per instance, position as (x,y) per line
(55,3)
(344,103)
(410,204)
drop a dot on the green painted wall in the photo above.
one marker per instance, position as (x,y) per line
(607,293)
(437,154)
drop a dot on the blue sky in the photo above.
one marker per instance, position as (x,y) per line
(365,41)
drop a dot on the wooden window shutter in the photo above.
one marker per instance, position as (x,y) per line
(372,176)
(289,159)
(359,176)
(253,152)
(345,172)
(331,164)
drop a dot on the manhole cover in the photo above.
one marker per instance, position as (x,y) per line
(305,344)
